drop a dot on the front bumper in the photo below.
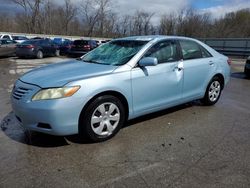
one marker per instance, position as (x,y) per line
(60,114)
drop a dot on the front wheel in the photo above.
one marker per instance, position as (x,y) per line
(102,119)
(213,92)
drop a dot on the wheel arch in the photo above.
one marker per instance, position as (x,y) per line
(117,94)
(221,77)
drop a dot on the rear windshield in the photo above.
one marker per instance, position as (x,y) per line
(81,42)
(31,42)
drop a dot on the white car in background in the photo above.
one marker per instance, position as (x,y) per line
(6,36)
(18,39)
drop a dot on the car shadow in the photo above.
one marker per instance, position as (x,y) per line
(14,131)
(240,75)
(6,57)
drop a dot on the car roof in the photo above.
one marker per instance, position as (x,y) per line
(153,37)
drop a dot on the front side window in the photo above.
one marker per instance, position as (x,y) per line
(165,51)
(116,53)
(190,50)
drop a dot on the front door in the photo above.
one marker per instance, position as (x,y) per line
(160,86)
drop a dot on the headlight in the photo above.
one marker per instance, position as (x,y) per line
(55,93)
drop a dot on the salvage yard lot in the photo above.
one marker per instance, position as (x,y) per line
(186,146)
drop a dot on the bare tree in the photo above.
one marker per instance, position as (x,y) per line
(94,14)
(68,12)
(141,23)
(98,18)
(31,12)
(168,24)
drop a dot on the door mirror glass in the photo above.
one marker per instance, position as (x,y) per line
(148,61)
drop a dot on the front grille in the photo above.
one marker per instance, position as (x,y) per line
(20,92)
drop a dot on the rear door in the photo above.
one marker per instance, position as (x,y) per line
(11,46)
(47,48)
(3,47)
(156,87)
(198,68)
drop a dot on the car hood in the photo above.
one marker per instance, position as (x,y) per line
(59,74)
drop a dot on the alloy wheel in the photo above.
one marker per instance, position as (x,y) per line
(105,119)
(214,91)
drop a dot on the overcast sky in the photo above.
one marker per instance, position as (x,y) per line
(216,7)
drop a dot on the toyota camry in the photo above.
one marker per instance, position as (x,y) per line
(125,78)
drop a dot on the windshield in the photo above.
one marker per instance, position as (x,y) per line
(19,38)
(114,53)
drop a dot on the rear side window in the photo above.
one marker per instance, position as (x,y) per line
(190,50)
(45,42)
(205,53)
(31,42)
(165,51)
(6,37)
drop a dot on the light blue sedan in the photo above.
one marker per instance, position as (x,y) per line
(120,80)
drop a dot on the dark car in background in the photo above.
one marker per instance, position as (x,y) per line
(7,47)
(64,45)
(37,48)
(81,47)
(247,67)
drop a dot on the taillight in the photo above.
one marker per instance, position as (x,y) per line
(87,46)
(29,46)
(229,61)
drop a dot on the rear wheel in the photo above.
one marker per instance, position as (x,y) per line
(213,91)
(102,119)
(39,54)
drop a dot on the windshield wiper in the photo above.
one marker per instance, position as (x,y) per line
(92,61)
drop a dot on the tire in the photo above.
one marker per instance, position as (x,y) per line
(102,119)
(57,53)
(213,92)
(39,54)
(247,72)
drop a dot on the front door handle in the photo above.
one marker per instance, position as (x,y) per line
(179,66)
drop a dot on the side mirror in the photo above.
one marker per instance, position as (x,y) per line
(148,61)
